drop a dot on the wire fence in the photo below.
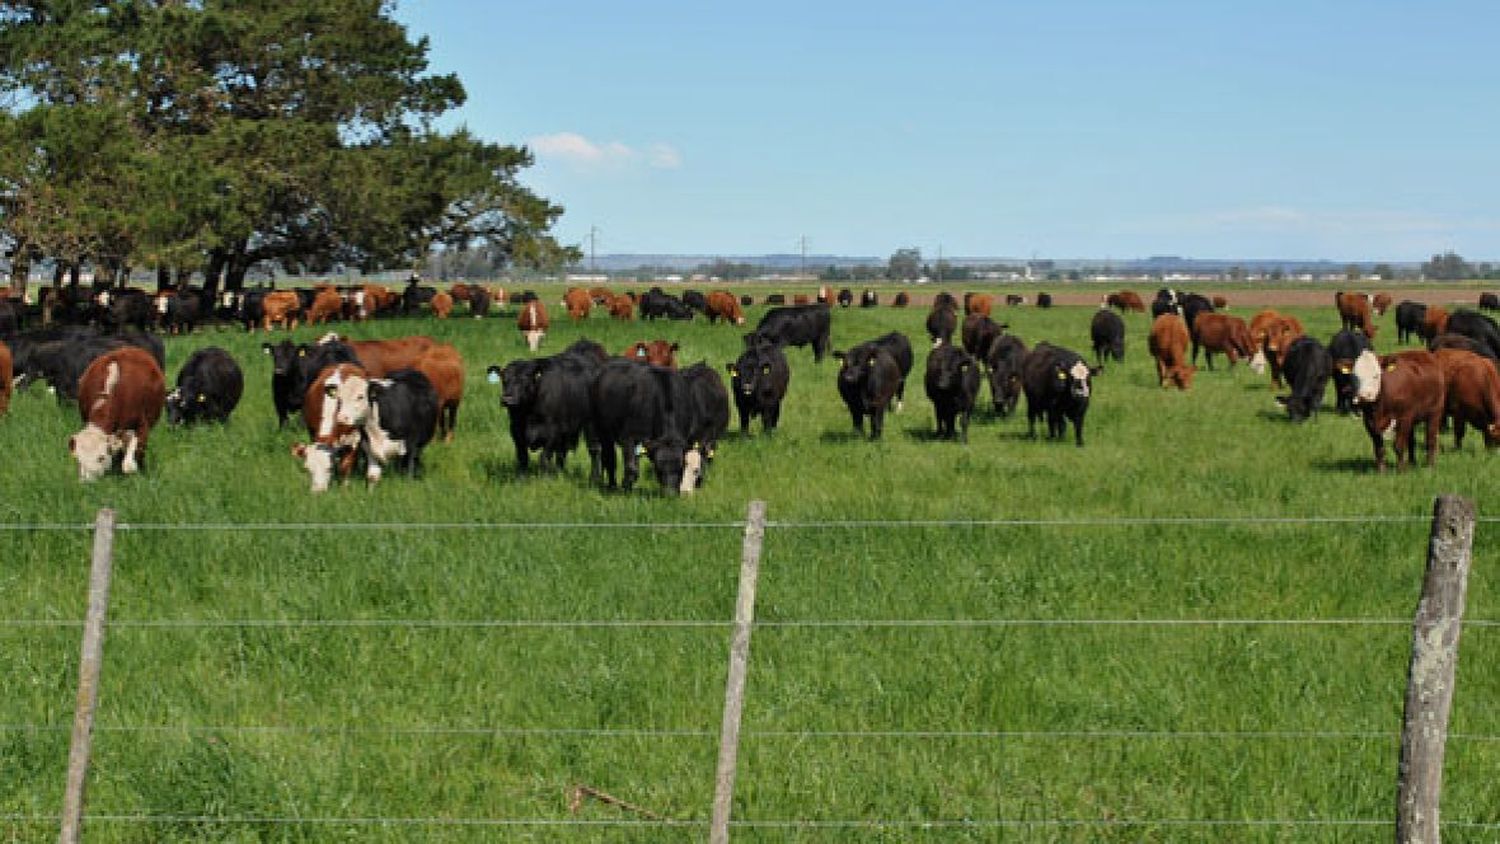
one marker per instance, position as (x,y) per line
(429,731)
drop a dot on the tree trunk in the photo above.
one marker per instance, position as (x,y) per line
(20,271)
(163,278)
(211,274)
(59,270)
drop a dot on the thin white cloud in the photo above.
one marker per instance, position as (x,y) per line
(577,150)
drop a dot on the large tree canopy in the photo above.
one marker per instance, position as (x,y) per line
(215,134)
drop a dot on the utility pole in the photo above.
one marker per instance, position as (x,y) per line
(937,269)
(803,272)
(593,235)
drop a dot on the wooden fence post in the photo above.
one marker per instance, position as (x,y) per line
(1434,658)
(739,661)
(88,676)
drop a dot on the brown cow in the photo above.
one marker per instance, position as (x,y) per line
(444,367)
(326,304)
(280,307)
(802,299)
(1168,344)
(723,305)
(1472,395)
(335,407)
(372,299)
(6,376)
(1216,333)
(1395,392)
(601,296)
(380,358)
(120,396)
(978,303)
(1354,312)
(460,292)
(578,302)
(1126,300)
(1380,303)
(1271,334)
(654,352)
(1433,324)
(533,323)
(622,307)
(441,304)
(1219,303)
(901,300)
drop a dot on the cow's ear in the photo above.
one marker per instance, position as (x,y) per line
(265,348)
(731,369)
(674,347)
(1062,376)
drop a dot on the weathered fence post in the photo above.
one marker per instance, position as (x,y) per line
(739,661)
(1434,658)
(88,676)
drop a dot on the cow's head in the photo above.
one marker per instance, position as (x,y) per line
(951,372)
(1365,372)
(855,365)
(1181,376)
(350,393)
(320,460)
(95,451)
(520,380)
(1005,387)
(284,356)
(185,405)
(668,460)
(1076,376)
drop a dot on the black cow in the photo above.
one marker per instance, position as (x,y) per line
(953,386)
(1192,304)
(746,300)
(1014,299)
(10,317)
(1479,328)
(1489,302)
(1409,318)
(1343,350)
(1057,385)
(294,367)
(759,380)
(180,314)
(901,300)
(868,299)
(979,335)
(548,402)
(873,374)
(249,308)
(1044,300)
(636,406)
(1307,369)
(695,300)
(799,325)
(403,417)
(846,297)
(1108,333)
(942,320)
(415,296)
(654,303)
(479,301)
(209,387)
(776,299)
(1004,362)
(711,415)
(127,306)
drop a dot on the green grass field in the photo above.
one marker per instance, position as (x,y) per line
(479,672)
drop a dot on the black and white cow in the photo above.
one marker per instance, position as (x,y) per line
(1346,347)
(209,387)
(1058,385)
(402,418)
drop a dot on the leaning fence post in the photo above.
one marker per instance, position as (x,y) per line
(88,676)
(1434,658)
(739,661)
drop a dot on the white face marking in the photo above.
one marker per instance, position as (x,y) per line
(91,448)
(161,304)
(534,339)
(1366,377)
(330,337)
(353,401)
(1258,363)
(319,464)
(1080,374)
(692,469)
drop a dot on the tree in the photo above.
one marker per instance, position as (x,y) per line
(1352,272)
(904,265)
(1448,266)
(1383,272)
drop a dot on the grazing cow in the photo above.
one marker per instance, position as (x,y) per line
(416,295)
(868,299)
(871,376)
(846,297)
(1307,367)
(533,324)
(127,306)
(1168,344)
(548,402)
(795,326)
(403,417)
(601,295)
(622,307)
(327,304)
(942,320)
(1219,303)
(711,415)
(1489,302)
(1108,333)
(655,303)
(441,304)
(1014,299)
(578,302)
(281,308)
(1380,303)
(1057,385)
(479,302)
(642,408)
(824,296)
(722,305)
(1354,312)
(952,386)
(776,299)
(1409,318)
(1471,395)
(1479,328)
(746,300)
(803,299)
(1220,333)
(1044,300)
(695,300)
(209,387)
(655,352)
(1395,392)
(335,407)
(1004,362)
(978,303)
(444,368)
(1434,322)
(120,397)
(6,377)
(979,334)
(1126,300)
(901,300)
(1344,349)
(759,380)
(1191,305)
(60,356)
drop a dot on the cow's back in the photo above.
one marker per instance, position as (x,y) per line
(132,401)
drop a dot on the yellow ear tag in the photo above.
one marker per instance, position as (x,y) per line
(1344,370)
(1390,367)
(202,397)
(1062,376)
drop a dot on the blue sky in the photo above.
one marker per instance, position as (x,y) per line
(1311,129)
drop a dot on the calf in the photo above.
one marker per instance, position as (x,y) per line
(548,403)
(642,408)
(1307,367)
(759,379)
(120,396)
(327,304)
(403,417)
(722,305)
(872,374)
(1344,349)
(334,408)
(1434,322)
(795,326)
(1057,385)
(942,321)
(952,386)
(979,334)
(868,299)
(711,419)
(1221,333)
(654,303)
(209,387)
(1380,303)
(1108,333)
(1126,300)
(622,307)
(1004,362)
(533,323)
(1168,344)
(846,297)
(280,308)
(654,352)
(1471,395)
(1409,318)
(901,300)
(1354,312)
(1395,392)
(577,301)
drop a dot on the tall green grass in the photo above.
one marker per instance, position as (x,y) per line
(448,716)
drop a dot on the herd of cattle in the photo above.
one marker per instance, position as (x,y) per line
(378,403)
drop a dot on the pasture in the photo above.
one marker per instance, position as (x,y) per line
(910,679)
